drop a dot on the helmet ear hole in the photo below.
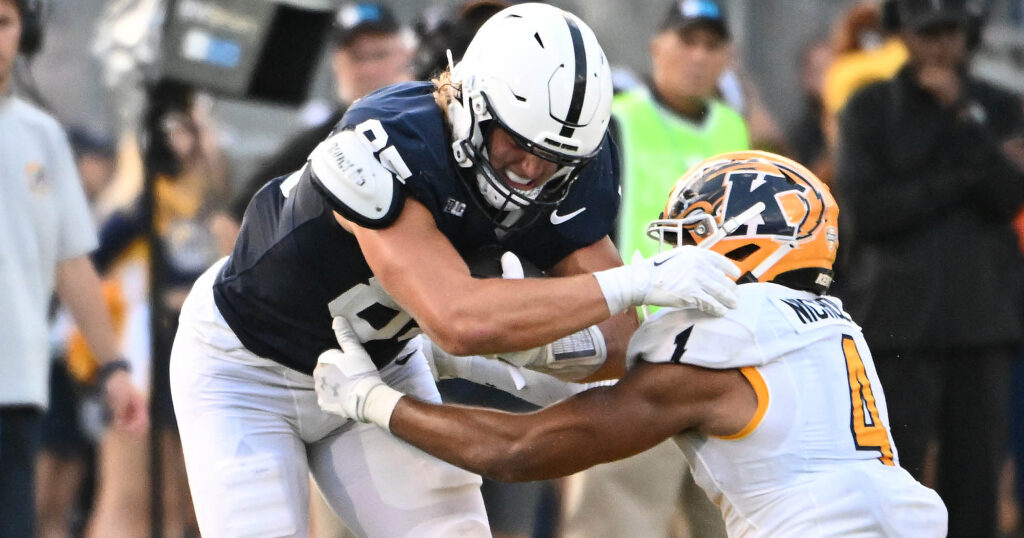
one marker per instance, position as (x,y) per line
(742,253)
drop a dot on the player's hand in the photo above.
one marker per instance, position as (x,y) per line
(684,277)
(511,266)
(347,382)
(584,360)
(129,408)
(511,269)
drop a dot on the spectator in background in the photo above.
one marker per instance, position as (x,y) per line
(45,235)
(868,48)
(662,130)
(806,136)
(369,52)
(676,121)
(190,186)
(929,185)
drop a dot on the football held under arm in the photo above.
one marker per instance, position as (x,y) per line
(362,175)
(423,272)
(581,354)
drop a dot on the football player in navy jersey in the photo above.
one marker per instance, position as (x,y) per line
(506,149)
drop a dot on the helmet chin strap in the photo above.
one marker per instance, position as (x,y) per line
(772,259)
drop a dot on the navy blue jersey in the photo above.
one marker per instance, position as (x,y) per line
(293,266)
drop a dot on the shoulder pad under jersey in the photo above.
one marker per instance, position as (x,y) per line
(692,337)
(770,322)
(344,168)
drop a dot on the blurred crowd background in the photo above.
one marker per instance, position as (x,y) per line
(202,153)
(769,36)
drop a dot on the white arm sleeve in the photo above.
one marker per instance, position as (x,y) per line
(534,387)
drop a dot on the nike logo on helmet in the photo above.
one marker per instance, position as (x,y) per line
(557,219)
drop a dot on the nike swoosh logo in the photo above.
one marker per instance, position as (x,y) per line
(404,359)
(557,219)
(659,262)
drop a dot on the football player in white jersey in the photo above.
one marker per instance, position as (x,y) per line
(776,405)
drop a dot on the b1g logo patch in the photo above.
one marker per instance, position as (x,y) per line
(454,207)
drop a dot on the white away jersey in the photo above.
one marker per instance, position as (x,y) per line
(817,458)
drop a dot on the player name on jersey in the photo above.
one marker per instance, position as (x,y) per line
(810,311)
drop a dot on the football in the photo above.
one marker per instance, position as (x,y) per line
(486,263)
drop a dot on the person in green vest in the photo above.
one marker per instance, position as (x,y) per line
(677,121)
(662,129)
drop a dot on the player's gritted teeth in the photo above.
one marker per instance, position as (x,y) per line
(517,182)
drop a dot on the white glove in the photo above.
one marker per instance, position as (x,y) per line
(684,277)
(348,384)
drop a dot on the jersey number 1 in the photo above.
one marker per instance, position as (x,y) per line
(868,431)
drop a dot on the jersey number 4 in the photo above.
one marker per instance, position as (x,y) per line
(868,431)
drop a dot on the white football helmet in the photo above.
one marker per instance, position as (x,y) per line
(539,73)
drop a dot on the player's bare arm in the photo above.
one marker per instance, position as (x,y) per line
(419,267)
(652,403)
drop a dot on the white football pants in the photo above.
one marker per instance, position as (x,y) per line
(252,432)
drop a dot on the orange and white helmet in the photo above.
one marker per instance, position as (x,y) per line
(769,214)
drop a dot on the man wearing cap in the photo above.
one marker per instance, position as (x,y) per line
(46,234)
(925,171)
(676,121)
(662,129)
(369,52)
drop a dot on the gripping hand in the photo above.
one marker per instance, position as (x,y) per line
(684,277)
(570,358)
(348,384)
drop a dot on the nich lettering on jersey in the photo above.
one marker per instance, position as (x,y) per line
(818,309)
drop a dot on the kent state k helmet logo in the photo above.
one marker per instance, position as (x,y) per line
(782,213)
